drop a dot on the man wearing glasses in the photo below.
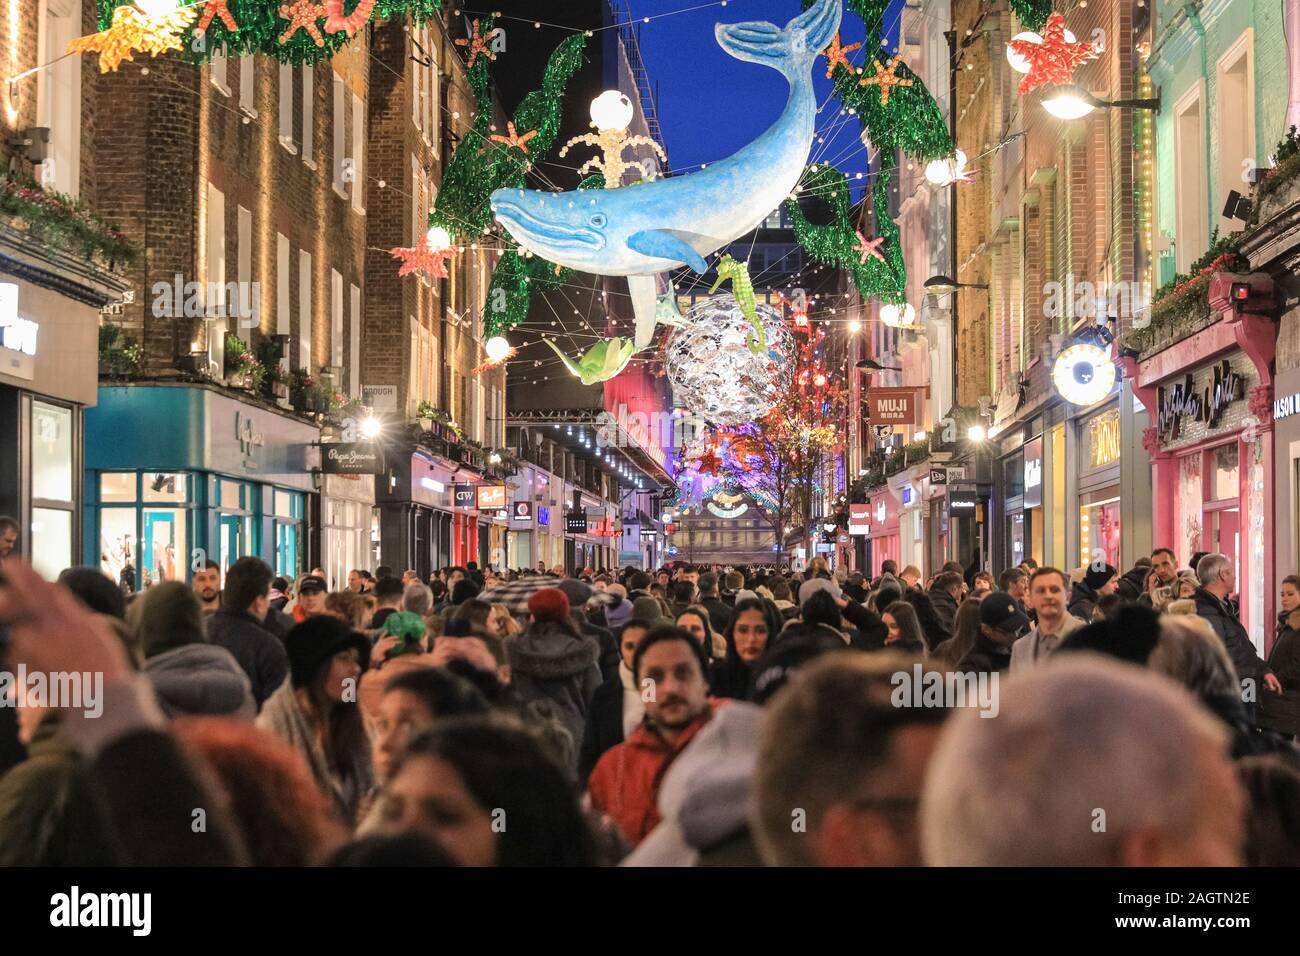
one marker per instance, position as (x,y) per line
(1049,596)
(1002,624)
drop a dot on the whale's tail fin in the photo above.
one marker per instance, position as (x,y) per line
(792,50)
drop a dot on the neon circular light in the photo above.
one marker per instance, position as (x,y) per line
(1083,374)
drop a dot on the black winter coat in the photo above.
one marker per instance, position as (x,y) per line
(1245,660)
(1131,583)
(1083,600)
(259,652)
(944,606)
(1281,712)
(604,726)
(984,657)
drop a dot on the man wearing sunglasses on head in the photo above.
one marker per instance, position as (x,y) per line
(1049,597)
(1002,623)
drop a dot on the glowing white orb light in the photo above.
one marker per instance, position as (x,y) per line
(497,348)
(896,317)
(1083,374)
(611,110)
(438,238)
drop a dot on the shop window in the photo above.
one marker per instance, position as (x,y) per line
(117,486)
(230,495)
(51,452)
(1099,528)
(1226,474)
(164,486)
(51,541)
(163,536)
(1013,470)
(117,551)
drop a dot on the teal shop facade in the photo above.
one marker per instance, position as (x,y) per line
(178,474)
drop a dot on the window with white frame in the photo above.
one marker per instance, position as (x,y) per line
(217,68)
(336,320)
(1234,111)
(339,156)
(248,85)
(245,304)
(354,342)
(282,326)
(358,154)
(305,319)
(285,93)
(435,90)
(434,366)
(214,251)
(414,395)
(58,95)
(417,190)
(1190,188)
(308,114)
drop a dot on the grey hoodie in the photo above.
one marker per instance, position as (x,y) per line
(200,680)
(550,665)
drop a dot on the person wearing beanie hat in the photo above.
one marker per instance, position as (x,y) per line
(646,608)
(316,712)
(553,666)
(190,677)
(620,613)
(96,590)
(1098,579)
(400,648)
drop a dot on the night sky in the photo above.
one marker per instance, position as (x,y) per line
(711,105)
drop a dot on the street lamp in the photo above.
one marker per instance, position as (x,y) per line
(976,433)
(371,427)
(942,285)
(1069,102)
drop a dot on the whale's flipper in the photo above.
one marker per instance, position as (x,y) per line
(569,363)
(645,301)
(790,51)
(662,244)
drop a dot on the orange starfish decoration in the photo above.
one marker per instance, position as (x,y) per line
(422,258)
(1052,61)
(302,15)
(215,8)
(869,247)
(477,44)
(132,31)
(514,139)
(336,22)
(836,54)
(885,78)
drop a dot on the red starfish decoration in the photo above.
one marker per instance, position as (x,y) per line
(869,247)
(709,462)
(422,258)
(302,14)
(215,8)
(514,139)
(1051,62)
(836,54)
(477,44)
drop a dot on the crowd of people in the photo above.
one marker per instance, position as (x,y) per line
(683,716)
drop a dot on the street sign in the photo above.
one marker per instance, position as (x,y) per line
(897,406)
(352,458)
(463,495)
(859,518)
(575,522)
(523,510)
(491,497)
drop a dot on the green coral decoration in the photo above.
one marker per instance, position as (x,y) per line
(601,362)
(742,290)
(1032,13)
(259,27)
(833,243)
(480,165)
(911,123)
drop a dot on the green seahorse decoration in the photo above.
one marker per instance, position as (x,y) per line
(742,289)
(601,362)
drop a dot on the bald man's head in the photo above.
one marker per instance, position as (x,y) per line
(1090,762)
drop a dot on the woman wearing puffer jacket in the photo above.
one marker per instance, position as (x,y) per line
(1281,712)
(190,677)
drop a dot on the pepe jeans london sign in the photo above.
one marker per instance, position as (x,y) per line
(348,458)
(1200,405)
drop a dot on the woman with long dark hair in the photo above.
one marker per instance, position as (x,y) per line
(967,628)
(753,628)
(904,629)
(487,792)
(316,712)
(933,629)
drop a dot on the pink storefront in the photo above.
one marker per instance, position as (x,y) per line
(1210,397)
(884,529)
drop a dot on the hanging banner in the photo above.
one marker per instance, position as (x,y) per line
(892,406)
(352,458)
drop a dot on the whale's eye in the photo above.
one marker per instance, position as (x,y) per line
(598,219)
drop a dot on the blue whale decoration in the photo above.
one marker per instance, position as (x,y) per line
(641,230)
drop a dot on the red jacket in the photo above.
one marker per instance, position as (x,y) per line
(625,781)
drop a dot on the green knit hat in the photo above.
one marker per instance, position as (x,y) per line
(166,616)
(408,627)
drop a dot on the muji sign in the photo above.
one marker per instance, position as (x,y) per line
(892,406)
